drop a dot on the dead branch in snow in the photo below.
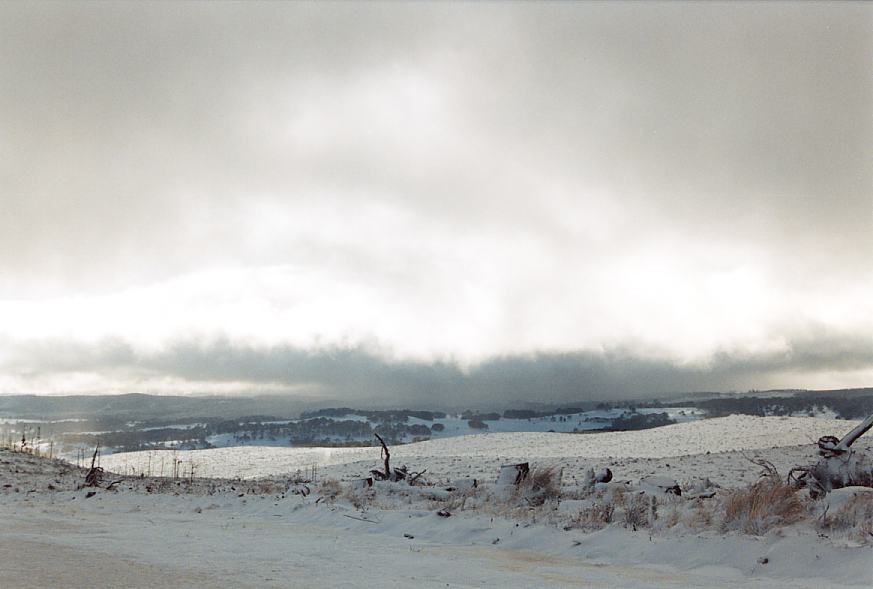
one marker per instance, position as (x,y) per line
(95,473)
(386,456)
(839,466)
(360,519)
(398,474)
(767,467)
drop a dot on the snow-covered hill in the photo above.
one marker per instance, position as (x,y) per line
(480,455)
(161,533)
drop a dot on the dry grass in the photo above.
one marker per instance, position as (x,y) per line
(762,506)
(457,500)
(266,487)
(543,484)
(619,496)
(595,517)
(701,517)
(673,518)
(636,512)
(330,489)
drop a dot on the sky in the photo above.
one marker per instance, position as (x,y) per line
(435,202)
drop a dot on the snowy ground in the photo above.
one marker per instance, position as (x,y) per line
(255,533)
(455,425)
(710,447)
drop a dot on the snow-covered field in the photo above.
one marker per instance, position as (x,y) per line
(629,454)
(456,425)
(257,532)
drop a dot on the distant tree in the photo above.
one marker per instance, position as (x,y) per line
(477,424)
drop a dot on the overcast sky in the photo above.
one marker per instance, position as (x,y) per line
(439,202)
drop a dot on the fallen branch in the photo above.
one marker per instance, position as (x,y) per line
(768,469)
(414,477)
(360,519)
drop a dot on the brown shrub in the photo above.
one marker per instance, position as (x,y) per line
(636,512)
(594,517)
(329,488)
(619,496)
(265,487)
(702,516)
(762,506)
(541,485)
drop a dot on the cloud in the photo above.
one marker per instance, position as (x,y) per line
(140,133)
(364,377)
(459,183)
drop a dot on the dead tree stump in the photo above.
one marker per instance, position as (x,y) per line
(839,465)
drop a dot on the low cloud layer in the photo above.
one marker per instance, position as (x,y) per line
(354,376)
(634,197)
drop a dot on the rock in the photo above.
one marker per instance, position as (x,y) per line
(604,476)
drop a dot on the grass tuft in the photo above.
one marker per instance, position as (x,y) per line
(762,506)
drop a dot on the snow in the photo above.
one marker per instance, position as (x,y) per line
(182,426)
(16,420)
(250,533)
(589,420)
(163,541)
(467,455)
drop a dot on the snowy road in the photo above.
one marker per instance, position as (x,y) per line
(164,541)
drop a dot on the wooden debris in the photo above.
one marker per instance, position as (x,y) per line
(395,475)
(415,476)
(839,465)
(95,473)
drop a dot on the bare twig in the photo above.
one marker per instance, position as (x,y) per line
(360,519)
(769,470)
(414,477)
